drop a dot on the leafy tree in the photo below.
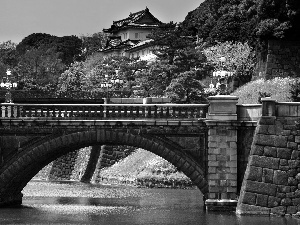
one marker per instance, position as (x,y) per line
(239,59)
(41,64)
(92,43)
(87,77)
(252,21)
(71,82)
(186,86)
(176,53)
(8,56)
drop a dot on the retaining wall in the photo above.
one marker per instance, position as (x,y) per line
(271,183)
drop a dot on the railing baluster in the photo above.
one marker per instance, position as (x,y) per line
(125,111)
(168,112)
(155,111)
(101,111)
(143,111)
(119,114)
(137,111)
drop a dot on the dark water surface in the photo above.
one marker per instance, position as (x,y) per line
(77,203)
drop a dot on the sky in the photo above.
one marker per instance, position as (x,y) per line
(20,18)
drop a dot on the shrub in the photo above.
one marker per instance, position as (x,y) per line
(277,88)
(295,91)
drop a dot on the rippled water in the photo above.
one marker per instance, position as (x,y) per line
(78,203)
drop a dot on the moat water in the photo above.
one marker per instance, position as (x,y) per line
(78,203)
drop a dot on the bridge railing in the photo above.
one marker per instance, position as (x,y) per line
(104,111)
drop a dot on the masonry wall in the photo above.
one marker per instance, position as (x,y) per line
(282,59)
(271,183)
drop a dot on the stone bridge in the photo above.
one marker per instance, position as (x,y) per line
(210,143)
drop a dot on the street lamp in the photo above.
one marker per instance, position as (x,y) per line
(8,85)
(222,77)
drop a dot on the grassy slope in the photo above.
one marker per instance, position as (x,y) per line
(277,88)
(144,168)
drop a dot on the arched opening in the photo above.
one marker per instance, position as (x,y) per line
(17,172)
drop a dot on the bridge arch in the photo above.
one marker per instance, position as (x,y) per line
(22,167)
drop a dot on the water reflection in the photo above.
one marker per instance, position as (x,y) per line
(77,203)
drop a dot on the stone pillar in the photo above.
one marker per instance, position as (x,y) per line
(91,166)
(222,153)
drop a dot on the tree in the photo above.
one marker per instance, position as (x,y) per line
(71,82)
(92,43)
(176,53)
(88,77)
(239,59)
(185,86)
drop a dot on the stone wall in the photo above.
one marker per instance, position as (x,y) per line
(282,59)
(63,167)
(271,183)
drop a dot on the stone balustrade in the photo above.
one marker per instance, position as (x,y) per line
(105,111)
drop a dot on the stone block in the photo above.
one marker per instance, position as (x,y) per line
(293,164)
(266,140)
(249,198)
(233,157)
(212,144)
(271,129)
(292,145)
(286,202)
(284,153)
(296,201)
(292,172)
(267,175)
(244,209)
(291,209)
(233,170)
(297,139)
(212,170)
(292,181)
(284,188)
(262,200)
(262,129)
(255,173)
(283,162)
(295,154)
(232,164)
(213,151)
(265,162)
(213,163)
(260,188)
(257,149)
(231,177)
(279,210)
(273,201)
(267,120)
(233,145)
(212,157)
(270,151)
(280,177)
(281,141)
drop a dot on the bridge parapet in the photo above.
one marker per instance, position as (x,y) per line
(105,111)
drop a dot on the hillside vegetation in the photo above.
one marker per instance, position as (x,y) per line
(277,88)
(145,169)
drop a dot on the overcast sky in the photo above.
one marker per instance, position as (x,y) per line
(20,18)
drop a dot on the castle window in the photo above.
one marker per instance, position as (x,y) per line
(136,35)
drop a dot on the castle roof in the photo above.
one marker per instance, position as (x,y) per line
(141,19)
(115,43)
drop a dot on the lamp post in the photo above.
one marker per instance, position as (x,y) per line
(8,85)
(222,77)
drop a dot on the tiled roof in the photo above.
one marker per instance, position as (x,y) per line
(140,44)
(143,19)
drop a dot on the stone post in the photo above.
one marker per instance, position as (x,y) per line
(222,153)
